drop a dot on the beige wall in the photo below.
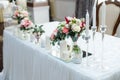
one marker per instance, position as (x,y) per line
(62,8)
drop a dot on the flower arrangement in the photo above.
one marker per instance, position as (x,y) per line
(71,27)
(20,14)
(38,31)
(26,24)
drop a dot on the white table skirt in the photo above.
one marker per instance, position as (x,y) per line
(26,61)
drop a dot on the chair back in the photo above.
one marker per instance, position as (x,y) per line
(112,16)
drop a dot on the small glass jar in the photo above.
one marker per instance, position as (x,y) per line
(76,54)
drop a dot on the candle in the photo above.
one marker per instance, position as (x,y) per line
(103,14)
(87,24)
(94,15)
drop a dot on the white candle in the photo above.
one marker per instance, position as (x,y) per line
(103,14)
(87,23)
(94,15)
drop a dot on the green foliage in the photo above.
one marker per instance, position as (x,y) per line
(76,49)
(72,28)
(19,19)
(11,0)
(38,29)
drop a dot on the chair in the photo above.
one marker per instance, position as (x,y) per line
(1,34)
(112,16)
(117,34)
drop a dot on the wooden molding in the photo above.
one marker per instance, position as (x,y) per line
(37,4)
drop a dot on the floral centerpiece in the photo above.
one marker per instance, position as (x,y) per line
(25,28)
(71,27)
(38,31)
(26,24)
(59,34)
(19,15)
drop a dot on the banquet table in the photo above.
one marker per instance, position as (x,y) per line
(24,60)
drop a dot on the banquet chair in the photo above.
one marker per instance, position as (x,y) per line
(117,34)
(112,16)
(1,34)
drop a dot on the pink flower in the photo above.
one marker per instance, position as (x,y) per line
(82,24)
(65,30)
(52,36)
(16,13)
(26,22)
(55,31)
(25,13)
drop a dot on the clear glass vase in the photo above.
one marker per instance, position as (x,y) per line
(64,51)
(23,35)
(37,36)
(76,53)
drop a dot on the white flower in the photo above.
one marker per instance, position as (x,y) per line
(21,15)
(39,33)
(25,13)
(78,21)
(67,25)
(70,23)
(76,28)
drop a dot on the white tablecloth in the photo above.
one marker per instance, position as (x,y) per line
(26,61)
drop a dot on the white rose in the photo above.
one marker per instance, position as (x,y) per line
(78,21)
(70,23)
(76,28)
(67,25)
(21,15)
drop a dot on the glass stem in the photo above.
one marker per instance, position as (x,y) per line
(87,54)
(94,46)
(102,52)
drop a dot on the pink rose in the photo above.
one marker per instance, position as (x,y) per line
(26,22)
(52,36)
(16,13)
(65,30)
(82,24)
(55,31)
(25,13)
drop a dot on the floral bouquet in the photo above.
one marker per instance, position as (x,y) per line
(19,15)
(71,27)
(38,31)
(59,34)
(26,24)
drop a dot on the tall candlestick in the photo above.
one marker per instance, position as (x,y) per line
(87,23)
(94,14)
(103,14)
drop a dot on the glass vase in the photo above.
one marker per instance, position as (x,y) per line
(64,51)
(23,35)
(76,53)
(37,36)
